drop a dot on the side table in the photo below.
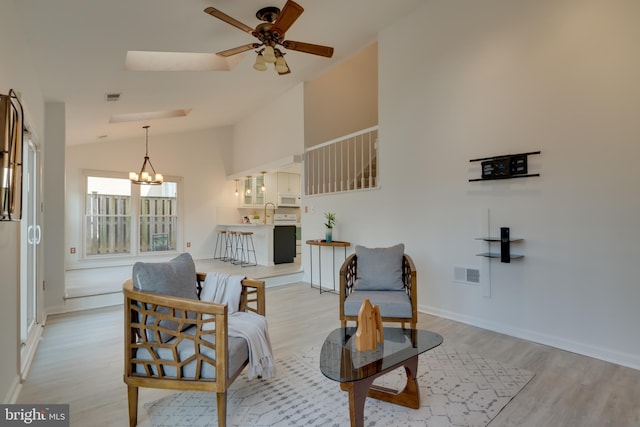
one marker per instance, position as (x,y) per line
(333,245)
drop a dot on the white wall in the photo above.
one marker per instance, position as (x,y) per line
(499,77)
(53,184)
(273,132)
(201,158)
(16,72)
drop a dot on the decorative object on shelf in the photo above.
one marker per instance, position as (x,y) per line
(505,167)
(12,125)
(505,241)
(331,219)
(370,331)
(146,177)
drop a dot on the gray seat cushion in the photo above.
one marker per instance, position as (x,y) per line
(379,269)
(238,354)
(392,303)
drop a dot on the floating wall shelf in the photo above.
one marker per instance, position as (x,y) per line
(508,166)
(505,241)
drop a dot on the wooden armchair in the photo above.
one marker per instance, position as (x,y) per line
(395,305)
(197,355)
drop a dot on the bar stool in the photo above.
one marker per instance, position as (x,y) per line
(228,246)
(246,247)
(221,241)
(237,248)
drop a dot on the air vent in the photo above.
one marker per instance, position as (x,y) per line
(112,97)
(466,275)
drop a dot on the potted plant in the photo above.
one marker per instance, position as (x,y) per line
(331,219)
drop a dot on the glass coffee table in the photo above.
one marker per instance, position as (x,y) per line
(356,370)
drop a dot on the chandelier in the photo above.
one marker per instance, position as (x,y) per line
(146,176)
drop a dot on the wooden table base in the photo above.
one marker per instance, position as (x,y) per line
(359,390)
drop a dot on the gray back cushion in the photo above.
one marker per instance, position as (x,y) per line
(176,278)
(379,269)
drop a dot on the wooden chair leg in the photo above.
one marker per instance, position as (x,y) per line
(132,393)
(222,409)
(343,323)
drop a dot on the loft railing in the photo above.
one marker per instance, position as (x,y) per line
(347,163)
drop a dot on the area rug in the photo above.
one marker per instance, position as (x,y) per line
(456,389)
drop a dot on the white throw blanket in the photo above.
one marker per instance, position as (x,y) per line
(223,288)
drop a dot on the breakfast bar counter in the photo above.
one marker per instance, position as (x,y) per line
(262,239)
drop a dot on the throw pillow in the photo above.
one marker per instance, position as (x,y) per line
(176,277)
(379,269)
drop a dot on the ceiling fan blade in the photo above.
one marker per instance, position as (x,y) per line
(314,49)
(289,14)
(239,49)
(229,20)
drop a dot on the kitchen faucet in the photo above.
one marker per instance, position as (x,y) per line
(264,220)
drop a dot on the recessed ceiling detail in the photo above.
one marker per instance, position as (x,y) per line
(138,60)
(154,115)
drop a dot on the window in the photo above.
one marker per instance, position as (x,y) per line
(158,217)
(344,164)
(122,218)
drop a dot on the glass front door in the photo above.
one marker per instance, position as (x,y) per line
(30,239)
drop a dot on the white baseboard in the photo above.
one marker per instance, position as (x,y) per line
(31,349)
(286,279)
(88,302)
(14,391)
(608,355)
(116,298)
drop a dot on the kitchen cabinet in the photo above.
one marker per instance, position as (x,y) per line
(252,194)
(271,190)
(288,182)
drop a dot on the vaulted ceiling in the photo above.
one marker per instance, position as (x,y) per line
(79,49)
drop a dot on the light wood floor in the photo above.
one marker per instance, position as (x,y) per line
(79,362)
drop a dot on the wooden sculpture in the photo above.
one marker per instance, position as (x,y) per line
(369,332)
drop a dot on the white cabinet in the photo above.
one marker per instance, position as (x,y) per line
(260,189)
(253,192)
(288,182)
(271,188)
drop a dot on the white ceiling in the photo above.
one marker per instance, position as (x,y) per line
(79,48)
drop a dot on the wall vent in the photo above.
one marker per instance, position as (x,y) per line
(112,97)
(466,275)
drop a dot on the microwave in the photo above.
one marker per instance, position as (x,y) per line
(289,200)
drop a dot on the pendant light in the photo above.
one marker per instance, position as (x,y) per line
(263,188)
(146,176)
(236,180)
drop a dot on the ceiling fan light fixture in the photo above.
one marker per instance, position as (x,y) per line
(281,65)
(269,54)
(260,63)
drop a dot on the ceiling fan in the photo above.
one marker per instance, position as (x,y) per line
(271,33)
